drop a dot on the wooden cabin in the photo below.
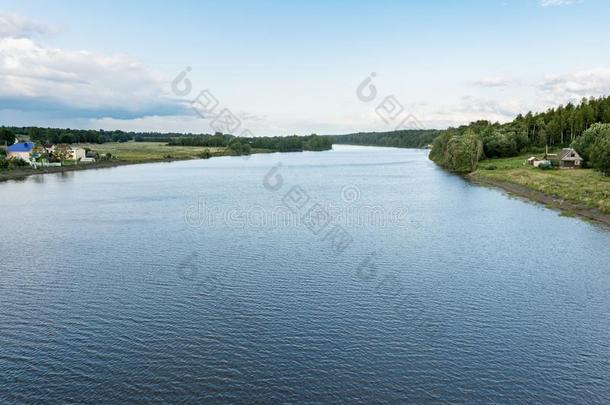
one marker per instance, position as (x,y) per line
(568,158)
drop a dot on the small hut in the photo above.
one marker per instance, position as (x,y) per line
(568,158)
(532,161)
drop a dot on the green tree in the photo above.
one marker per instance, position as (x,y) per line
(62,152)
(66,138)
(463,152)
(474,149)
(594,145)
(604,162)
(36,135)
(236,147)
(7,137)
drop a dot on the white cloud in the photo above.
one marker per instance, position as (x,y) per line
(539,95)
(488,82)
(470,109)
(58,87)
(574,86)
(553,3)
(278,126)
(17,26)
(78,83)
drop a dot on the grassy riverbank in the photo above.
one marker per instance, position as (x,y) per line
(145,152)
(582,192)
(125,153)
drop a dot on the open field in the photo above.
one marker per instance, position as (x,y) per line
(125,153)
(584,188)
(140,152)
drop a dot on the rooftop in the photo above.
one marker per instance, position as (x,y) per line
(569,154)
(21,147)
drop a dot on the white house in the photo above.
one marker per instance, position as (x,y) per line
(22,150)
(77,153)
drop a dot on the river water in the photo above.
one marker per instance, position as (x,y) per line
(357,274)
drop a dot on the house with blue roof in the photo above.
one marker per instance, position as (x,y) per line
(21,150)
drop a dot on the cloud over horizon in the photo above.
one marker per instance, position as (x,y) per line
(573,87)
(76,84)
(490,82)
(307,90)
(18,26)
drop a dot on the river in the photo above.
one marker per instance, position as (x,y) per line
(357,274)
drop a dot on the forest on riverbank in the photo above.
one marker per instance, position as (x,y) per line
(292,143)
(584,127)
(236,145)
(408,138)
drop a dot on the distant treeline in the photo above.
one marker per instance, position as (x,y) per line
(400,139)
(238,144)
(411,138)
(278,143)
(460,149)
(67,135)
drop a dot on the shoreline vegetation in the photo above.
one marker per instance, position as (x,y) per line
(574,192)
(407,138)
(124,154)
(495,154)
(577,192)
(118,148)
(565,207)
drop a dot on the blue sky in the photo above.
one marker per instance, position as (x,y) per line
(294,67)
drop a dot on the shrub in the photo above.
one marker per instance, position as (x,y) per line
(604,162)
(205,154)
(604,206)
(594,146)
(19,163)
(500,145)
(545,165)
(6,164)
(236,147)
